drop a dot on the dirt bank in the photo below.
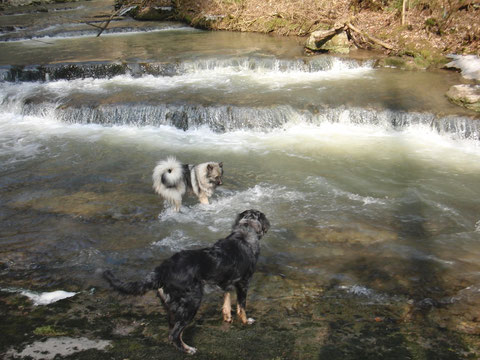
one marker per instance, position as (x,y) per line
(431,29)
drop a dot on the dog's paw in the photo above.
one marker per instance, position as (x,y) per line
(228,319)
(190,350)
(250,321)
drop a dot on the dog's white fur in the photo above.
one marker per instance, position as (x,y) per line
(172,169)
(175,176)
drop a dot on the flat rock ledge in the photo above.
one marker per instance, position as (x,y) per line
(467,96)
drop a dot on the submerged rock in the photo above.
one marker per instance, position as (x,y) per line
(91,205)
(467,96)
(363,234)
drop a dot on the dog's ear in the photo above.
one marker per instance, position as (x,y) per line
(209,168)
(264,223)
(220,164)
(255,225)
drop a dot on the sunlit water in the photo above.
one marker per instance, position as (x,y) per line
(360,170)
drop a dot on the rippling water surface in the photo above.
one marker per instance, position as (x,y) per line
(369,176)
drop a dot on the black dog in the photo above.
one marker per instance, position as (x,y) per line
(229,263)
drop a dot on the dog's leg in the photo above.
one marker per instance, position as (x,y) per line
(175,337)
(164,298)
(203,198)
(227,308)
(177,205)
(241,288)
(183,308)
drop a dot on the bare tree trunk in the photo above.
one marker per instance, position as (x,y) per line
(404,7)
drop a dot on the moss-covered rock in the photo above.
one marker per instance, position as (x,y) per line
(464,95)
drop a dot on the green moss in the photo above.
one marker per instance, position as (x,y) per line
(430,22)
(274,24)
(49,330)
(393,61)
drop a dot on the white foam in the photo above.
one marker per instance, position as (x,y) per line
(24,137)
(273,77)
(44,298)
(468,64)
(470,294)
(47,298)
(357,290)
(224,207)
(361,291)
(177,241)
(208,223)
(366,200)
(221,76)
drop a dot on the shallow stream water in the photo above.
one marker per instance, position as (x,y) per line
(369,176)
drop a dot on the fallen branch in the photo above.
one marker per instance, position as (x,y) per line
(120,12)
(94,25)
(329,33)
(369,37)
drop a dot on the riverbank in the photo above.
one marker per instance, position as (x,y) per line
(421,36)
(429,32)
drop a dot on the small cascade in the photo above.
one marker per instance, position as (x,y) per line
(216,92)
(106,70)
(273,64)
(225,118)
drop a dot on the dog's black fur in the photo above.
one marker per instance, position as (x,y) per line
(228,264)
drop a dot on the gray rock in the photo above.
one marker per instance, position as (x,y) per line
(465,95)
(335,41)
(58,347)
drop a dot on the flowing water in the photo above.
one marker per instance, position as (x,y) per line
(370,178)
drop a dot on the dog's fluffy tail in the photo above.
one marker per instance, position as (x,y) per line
(133,287)
(168,172)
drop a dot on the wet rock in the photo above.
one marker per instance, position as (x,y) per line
(467,96)
(89,205)
(461,311)
(125,328)
(59,346)
(329,40)
(207,21)
(357,234)
(62,71)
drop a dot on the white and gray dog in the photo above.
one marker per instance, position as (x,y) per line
(172,179)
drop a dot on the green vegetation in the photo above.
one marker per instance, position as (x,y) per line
(49,330)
